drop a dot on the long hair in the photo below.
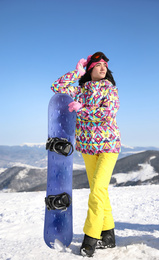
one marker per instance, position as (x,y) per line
(87,77)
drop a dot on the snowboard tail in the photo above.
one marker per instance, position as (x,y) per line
(58,212)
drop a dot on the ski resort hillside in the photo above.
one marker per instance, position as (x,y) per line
(135,211)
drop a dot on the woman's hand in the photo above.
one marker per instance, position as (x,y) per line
(74,106)
(80,66)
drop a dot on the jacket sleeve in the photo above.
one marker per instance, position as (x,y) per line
(105,110)
(64,84)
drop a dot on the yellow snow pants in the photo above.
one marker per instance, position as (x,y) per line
(99,168)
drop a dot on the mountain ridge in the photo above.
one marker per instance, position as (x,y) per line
(36,154)
(136,169)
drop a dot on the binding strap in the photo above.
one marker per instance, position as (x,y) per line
(60,146)
(60,201)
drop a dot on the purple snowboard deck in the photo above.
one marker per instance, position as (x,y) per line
(61,124)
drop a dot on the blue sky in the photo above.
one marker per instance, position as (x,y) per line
(40,40)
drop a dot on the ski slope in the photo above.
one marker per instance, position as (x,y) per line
(135,211)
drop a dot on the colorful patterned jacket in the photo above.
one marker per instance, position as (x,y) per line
(96,127)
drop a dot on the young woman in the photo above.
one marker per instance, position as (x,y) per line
(98,139)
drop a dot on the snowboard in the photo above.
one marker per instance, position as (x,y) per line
(61,126)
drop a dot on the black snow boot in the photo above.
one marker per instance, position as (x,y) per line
(88,246)
(108,239)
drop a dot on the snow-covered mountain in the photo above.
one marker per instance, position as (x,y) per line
(137,169)
(31,154)
(135,211)
(36,154)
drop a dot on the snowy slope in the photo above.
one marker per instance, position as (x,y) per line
(145,173)
(135,210)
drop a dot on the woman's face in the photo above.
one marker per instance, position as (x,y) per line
(99,71)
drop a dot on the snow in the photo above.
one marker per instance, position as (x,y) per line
(78,167)
(33,144)
(22,174)
(127,146)
(145,173)
(18,164)
(152,157)
(133,152)
(2,170)
(135,211)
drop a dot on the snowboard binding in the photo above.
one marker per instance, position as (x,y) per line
(61,201)
(61,146)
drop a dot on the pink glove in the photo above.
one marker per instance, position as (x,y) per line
(80,66)
(74,106)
